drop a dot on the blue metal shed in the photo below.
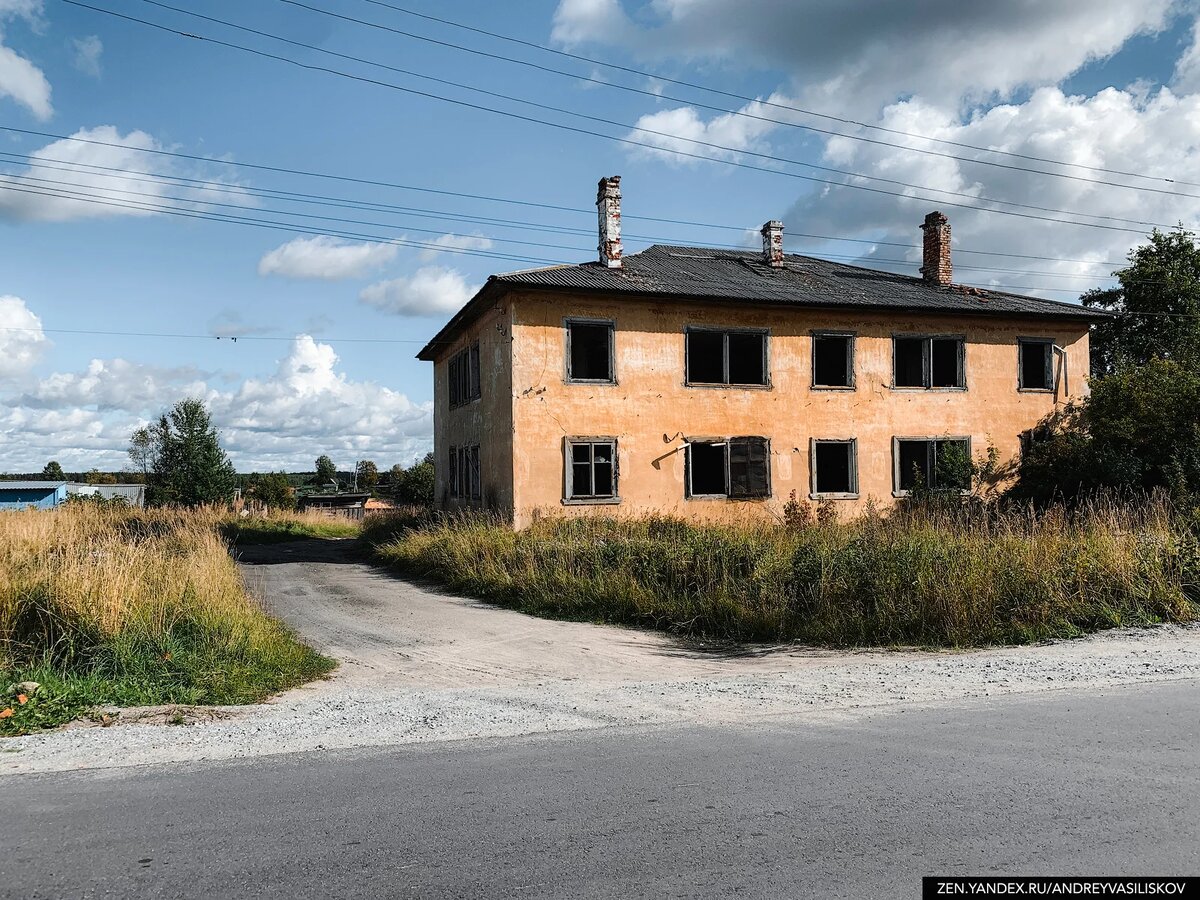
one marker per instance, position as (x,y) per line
(38,494)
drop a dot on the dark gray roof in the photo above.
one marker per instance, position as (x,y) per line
(742,275)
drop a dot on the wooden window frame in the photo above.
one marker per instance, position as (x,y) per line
(1051,375)
(570,499)
(765,333)
(927,361)
(932,460)
(611,324)
(813,493)
(464,387)
(850,337)
(689,494)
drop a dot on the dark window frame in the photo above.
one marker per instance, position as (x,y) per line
(689,494)
(1051,376)
(611,324)
(927,361)
(465,480)
(931,462)
(850,337)
(815,494)
(463,376)
(726,384)
(569,498)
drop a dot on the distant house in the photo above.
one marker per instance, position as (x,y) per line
(336,505)
(714,383)
(35,494)
(134,495)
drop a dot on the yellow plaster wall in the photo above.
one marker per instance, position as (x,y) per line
(650,410)
(487,421)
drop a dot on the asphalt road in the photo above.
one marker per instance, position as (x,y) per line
(1098,783)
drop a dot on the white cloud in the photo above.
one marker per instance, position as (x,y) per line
(21,337)
(228,323)
(430,291)
(20,79)
(49,189)
(457,242)
(325,258)
(679,129)
(306,406)
(87,55)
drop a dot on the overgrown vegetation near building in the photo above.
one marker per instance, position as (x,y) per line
(936,575)
(110,606)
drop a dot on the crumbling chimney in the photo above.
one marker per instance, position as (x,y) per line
(772,233)
(608,206)
(936,268)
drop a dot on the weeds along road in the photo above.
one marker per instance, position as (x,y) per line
(419,666)
(1069,782)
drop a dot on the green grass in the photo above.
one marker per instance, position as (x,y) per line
(276,528)
(948,578)
(115,607)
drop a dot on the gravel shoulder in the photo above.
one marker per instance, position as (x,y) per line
(420,666)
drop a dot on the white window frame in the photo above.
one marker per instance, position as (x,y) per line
(813,493)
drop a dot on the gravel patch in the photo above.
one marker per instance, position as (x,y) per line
(419,666)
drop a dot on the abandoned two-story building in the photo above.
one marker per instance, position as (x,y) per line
(713,383)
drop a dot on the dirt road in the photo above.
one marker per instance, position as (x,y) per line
(418,665)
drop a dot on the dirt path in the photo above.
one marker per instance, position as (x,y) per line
(418,665)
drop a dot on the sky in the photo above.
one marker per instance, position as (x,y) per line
(328,180)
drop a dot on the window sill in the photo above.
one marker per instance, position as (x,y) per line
(590,381)
(928,390)
(727,498)
(590,501)
(1025,390)
(844,388)
(904,494)
(729,387)
(813,496)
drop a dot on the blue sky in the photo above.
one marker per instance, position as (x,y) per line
(1115,88)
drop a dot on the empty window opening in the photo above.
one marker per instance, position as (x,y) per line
(928,362)
(936,464)
(738,468)
(464,481)
(833,360)
(726,357)
(1036,365)
(464,376)
(590,351)
(592,473)
(834,468)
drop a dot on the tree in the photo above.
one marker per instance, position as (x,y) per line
(368,474)
(274,490)
(95,476)
(326,470)
(53,471)
(141,452)
(1158,307)
(189,465)
(416,486)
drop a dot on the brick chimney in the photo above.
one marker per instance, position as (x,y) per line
(936,268)
(608,207)
(772,235)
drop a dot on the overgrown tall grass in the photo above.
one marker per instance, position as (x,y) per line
(930,577)
(104,605)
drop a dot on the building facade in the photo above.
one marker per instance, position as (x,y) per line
(718,384)
(32,494)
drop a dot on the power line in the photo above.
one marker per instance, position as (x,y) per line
(808,112)
(320,199)
(631,142)
(720,109)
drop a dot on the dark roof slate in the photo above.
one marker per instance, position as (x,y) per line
(742,275)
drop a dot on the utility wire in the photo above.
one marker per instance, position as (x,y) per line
(629,141)
(740,113)
(321,199)
(790,108)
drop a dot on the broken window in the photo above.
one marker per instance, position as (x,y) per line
(1036,364)
(452,473)
(464,376)
(833,360)
(590,351)
(928,362)
(941,464)
(738,468)
(726,357)
(464,476)
(835,468)
(591,470)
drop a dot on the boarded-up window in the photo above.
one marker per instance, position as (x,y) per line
(590,348)
(726,357)
(463,376)
(463,481)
